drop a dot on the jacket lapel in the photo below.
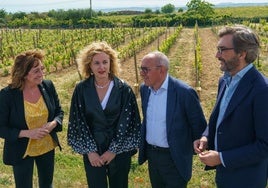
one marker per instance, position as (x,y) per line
(221,92)
(171,102)
(244,86)
(19,105)
(146,94)
(45,95)
(90,93)
(115,94)
(215,111)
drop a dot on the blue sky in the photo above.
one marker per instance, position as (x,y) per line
(45,5)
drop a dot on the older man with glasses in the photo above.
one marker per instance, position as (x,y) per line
(172,120)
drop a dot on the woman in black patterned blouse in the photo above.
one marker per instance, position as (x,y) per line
(104,122)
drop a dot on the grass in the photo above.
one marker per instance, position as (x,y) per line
(245,12)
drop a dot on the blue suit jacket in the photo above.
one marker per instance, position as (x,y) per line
(12,119)
(243,133)
(185,123)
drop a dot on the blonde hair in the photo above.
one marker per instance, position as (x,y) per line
(85,56)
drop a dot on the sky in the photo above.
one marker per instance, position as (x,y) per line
(46,5)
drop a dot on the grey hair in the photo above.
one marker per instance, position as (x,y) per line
(244,39)
(161,58)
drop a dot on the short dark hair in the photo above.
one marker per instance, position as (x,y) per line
(244,39)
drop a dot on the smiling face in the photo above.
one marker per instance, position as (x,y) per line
(36,74)
(100,65)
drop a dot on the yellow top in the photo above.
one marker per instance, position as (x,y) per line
(36,115)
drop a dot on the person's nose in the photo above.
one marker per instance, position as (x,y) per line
(142,74)
(218,54)
(41,72)
(102,66)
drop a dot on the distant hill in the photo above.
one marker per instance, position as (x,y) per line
(138,9)
(230,4)
(142,9)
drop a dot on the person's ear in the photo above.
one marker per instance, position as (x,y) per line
(242,54)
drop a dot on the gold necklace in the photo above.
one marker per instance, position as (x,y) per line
(101,87)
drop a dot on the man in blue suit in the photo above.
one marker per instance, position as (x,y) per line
(172,120)
(237,135)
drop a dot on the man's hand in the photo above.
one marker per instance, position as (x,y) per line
(200,145)
(210,158)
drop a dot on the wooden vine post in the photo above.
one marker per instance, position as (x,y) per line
(197,60)
(136,85)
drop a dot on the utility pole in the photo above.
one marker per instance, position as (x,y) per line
(90,8)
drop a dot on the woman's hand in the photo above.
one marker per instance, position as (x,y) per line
(95,160)
(107,157)
(37,133)
(50,125)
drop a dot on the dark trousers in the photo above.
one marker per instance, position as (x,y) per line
(23,172)
(116,173)
(162,170)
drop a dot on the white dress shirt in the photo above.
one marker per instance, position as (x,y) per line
(156,131)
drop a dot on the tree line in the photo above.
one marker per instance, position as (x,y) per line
(197,11)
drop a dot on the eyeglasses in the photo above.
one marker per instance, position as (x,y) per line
(145,70)
(221,49)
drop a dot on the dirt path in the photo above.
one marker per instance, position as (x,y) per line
(210,69)
(181,57)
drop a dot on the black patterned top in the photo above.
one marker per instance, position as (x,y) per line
(121,114)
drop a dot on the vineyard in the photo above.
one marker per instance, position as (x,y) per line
(192,58)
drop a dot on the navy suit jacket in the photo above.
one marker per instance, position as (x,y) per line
(185,123)
(12,119)
(243,133)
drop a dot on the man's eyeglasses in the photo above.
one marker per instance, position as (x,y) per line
(221,49)
(145,70)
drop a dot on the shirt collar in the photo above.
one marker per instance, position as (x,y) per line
(164,85)
(227,77)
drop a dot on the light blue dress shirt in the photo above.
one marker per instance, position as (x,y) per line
(231,85)
(156,131)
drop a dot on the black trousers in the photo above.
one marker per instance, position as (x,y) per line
(162,170)
(116,173)
(23,172)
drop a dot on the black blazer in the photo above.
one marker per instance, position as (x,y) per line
(121,113)
(12,119)
(242,133)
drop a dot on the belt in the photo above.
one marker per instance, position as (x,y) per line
(156,148)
